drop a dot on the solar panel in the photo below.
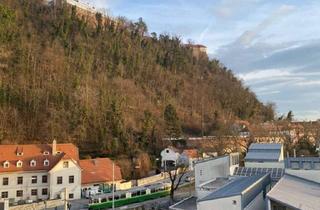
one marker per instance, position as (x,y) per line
(275,173)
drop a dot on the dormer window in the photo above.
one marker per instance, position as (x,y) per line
(65,164)
(6,164)
(46,162)
(19,164)
(33,163)
(19,153)
(45,153)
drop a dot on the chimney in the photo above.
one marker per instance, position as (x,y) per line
(54,147)
(294,153)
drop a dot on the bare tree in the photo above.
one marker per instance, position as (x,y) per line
(176,173)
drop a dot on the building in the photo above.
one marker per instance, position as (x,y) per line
(265,156)
(198,50)
(241,193)
(192,155)
(210,169)
(293,193)
(97,173)
(304,167)
(39,171)
(169,157)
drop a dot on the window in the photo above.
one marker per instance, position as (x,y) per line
(33,163)
(59,180)
(19,180)
(44,191)
(34,192)
(65,164)
(5,181)
(34,179)
(44,179)
(19,153)
(201,172)
(234,202)
(46,163)
(19,164)
(71,179)
(316,165)
(45,153)
(6,164)
(70,195)
(4,195)
(19,193)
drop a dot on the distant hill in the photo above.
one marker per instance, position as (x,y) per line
(105,85)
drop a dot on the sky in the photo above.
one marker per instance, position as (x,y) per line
(273,46)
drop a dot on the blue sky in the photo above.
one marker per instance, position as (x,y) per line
(272,45)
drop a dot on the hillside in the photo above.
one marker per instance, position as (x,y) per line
(105,86)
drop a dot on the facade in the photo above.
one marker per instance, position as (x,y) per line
(33,172)
(210,169)
(97,173)
(242,193)
(265,156)
(304,167)
(169,157)
(197,50)
(292,193)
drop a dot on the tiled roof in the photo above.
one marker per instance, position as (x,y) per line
(191,153)
(98,171)
(26,153)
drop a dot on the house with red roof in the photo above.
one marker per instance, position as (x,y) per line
(99,173)
(46,171)
(39,172)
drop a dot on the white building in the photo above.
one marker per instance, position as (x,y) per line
(304,167)
(265,156)
(169,157)
(33,172)
(292,193)
(239,193)
(212,168)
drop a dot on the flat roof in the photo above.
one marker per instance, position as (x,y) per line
(209,159)
(218,183)
(296,192)
(236,187)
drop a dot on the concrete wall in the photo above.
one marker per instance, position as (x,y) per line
(150,179)
(124,185)
(257,204)
(26,187)
(210,169)
(41,205)
(221,204)
(57,190)
(264,164)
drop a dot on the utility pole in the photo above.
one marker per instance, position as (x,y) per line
(113,185)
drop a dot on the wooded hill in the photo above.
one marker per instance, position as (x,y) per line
(106,86)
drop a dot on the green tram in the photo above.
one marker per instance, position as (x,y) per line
(126,197)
